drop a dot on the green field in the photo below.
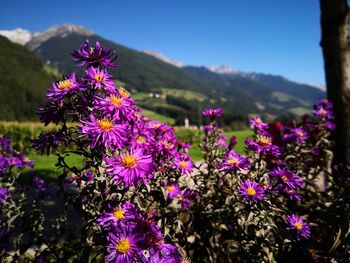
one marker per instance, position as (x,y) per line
(155,116)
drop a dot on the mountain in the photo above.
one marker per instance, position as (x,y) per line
(170,88)
(163,58)
(18,35)
(23,83)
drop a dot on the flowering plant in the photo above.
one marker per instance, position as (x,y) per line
(139,197)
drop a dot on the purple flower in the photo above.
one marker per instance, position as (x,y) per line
(257,123)
(53,111)
(61,88)
(233,142)
(40,187)
(184,198)
(172,190)
(94,56)
(323,110)
(100,78)
(287,177)
(105,131)
(251,191)
(212,113)
(329,125)
(184,164)
(234,162)
(300,134)
(125,246)
(47,141)
(222,141)
(116,106)
(165,253)
(122,214)
(263,144)
(130,167)
(297,224)
(4,193)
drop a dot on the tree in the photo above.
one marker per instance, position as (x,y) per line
(336,54)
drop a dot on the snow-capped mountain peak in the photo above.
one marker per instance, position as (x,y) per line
(57,31)
(222,69)
(17,35)
(163,58)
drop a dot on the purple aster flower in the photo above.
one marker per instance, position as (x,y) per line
(4,193)
(61,88)
(125,246)
(233,142)
(222,141)
(122,214)
(100,78)
(105,131)
(293,195)
(40,187)
(251,191)
(184,163)
(165,253)
(234,162)
(47,141)
(172,190)
(141,140)
(116,106)
(151,231)
(212,113)
(94,56)
(184,198)
(257,123)
(130,167)
(287,177)
(323,112)
(89,176)
(329,125)
(299,225)
(300,134)
(207,128)
(263,144)
(53,111)
(14,162)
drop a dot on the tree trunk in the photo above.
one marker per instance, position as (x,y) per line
(336,54)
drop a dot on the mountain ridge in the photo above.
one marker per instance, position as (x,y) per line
(238,93)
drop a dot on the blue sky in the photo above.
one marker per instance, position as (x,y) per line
(272,36)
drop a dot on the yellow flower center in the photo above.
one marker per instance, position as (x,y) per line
(105,125)
(119,214)
(183,164)
(129,161)
(264,140)
(251,191)
(65,84)
(298,225)
(258,121)
(167,144)
(98,77)
(116,101)
(171,188)
(140,139)
(123,246)
(300,134)
(232,161)
(285,178)
(123,93)
(322,112)
(156,125)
